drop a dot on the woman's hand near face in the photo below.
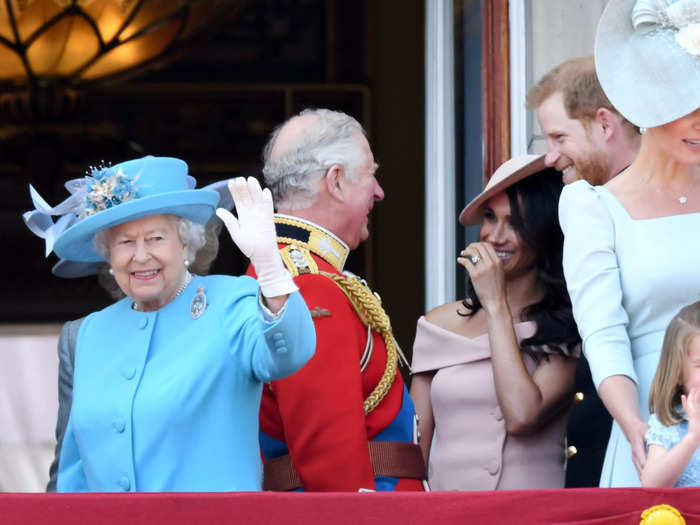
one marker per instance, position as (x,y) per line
(486,274)
(526,401)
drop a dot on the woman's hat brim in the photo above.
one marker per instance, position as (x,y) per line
(648,78)
(76,244)
(505,176)
(71,269)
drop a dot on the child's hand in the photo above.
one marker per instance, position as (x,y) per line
(691,405)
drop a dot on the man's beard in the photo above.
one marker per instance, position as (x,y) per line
(595,169)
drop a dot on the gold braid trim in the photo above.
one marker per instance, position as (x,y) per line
(299,264)
(371,313)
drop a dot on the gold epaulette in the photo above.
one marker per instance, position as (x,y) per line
(312,237)
(298,260)
(369,308)
(302,238)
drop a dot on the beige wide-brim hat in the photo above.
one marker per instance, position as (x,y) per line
(507,174)
(641,63)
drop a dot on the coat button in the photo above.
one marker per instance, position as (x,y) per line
(281,349)
(129,372)
(571,451)
(124,483)
(278,336)
(143,322)
(118,425)
(493,467)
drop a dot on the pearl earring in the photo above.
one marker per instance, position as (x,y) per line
(187,263)
(642,130)
(111,271)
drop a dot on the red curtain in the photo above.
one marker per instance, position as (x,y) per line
(569,507)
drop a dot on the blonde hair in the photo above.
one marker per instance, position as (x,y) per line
(667,386)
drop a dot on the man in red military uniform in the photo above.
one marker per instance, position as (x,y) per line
(345,421)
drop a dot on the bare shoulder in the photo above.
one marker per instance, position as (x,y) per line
(446,316)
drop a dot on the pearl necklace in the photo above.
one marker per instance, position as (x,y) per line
(185,282)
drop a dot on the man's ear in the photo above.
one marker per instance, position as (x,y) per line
(335,182)
(607,121)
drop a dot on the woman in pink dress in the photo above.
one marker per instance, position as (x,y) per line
(494,373)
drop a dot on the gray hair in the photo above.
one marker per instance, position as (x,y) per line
(333,139)
(191,233)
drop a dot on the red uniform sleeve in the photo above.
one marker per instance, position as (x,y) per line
(321,405)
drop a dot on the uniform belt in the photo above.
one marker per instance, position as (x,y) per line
(388,458)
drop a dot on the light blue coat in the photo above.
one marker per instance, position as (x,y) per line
(165,402)
(627,278)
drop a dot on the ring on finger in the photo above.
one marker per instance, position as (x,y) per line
(474,259)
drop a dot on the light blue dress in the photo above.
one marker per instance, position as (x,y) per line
(668,437)
(166,402)
(627,278)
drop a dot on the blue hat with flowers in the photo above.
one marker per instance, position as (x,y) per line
(117,194)
(40,223)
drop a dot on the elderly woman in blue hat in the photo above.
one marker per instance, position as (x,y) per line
(630,252)
(40,223)
(167,381)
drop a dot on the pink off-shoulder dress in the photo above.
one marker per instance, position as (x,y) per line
(471,449)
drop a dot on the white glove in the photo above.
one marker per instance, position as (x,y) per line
(254,233)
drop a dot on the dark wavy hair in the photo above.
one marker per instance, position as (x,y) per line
(534,215)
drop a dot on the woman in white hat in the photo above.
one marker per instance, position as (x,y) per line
(630,254)
(167,381)
(494,374)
